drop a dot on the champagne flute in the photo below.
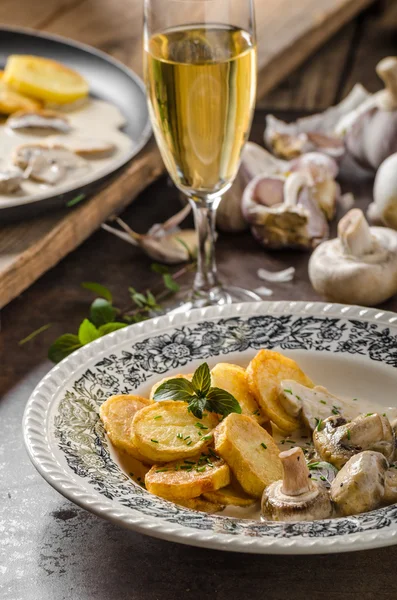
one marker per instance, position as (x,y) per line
(200,74)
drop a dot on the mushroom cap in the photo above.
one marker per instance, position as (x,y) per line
(337,441)
(360,484)
(390,495)
(311,506)
(367,280)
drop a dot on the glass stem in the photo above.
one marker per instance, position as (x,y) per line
(206,283)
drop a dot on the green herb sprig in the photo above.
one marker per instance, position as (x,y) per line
(198,394)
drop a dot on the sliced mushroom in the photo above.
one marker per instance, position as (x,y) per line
(314,404)
(337,440)
(359,266)
(10,180)
(48,164)
(88,147)
(296,497)
(360,484)
(39,122)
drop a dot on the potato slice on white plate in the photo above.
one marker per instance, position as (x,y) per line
(167,431)
(250,452)
(200,504)
(189,377)
(265,373)
(232,378)
(231,495)
(117,414)
(188,478)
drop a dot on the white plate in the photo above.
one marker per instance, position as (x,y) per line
(351,350)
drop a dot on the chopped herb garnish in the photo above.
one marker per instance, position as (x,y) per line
(298,397)
(189,443)
(161,470)
(355,399)
(384,414)
(264,445)
(131,474)
(213,453)
(186,467)
(179,436)
(290,441)
(348,434)
(207,437)
(189,462)
(256,413)
(323,478)
(288,391)
(282,442)
(154,441)
(158,417)
(369,414)
(200,469)
(200,426)
(318,423)
(323,402)
(335,411)
(186,438)
(313,465)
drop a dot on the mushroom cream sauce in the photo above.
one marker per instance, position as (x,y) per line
(91,120)
(302,438)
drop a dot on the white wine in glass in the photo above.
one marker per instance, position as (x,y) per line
(200,73)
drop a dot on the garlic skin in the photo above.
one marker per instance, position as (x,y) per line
(384,206)
(164,242)
(314,133)
(357,267)
(371,130)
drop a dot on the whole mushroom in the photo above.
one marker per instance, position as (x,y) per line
(357,267)
(360,484)
(296,497)
(384,206)
(337,440)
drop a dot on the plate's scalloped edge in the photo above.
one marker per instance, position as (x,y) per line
(41,455)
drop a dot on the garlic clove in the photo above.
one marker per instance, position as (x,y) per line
(384,206)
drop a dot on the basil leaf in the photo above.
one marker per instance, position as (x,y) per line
(157,268)
(88,332)
(196,406)
(201,381)
(98,289)
(63,346)
(221,402)
(102,312)
(175,389)
(170,283)
(110,327)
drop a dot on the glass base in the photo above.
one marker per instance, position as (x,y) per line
(229,294)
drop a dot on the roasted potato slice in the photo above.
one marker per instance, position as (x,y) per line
(188,478)
(117,413)
(156,385)
(250,452)
(45,79)
(200,504)
(232,378)
(11,101)
(166,431)
(231,495)
(264,373)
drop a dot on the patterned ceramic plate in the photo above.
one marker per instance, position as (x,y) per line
(351,350)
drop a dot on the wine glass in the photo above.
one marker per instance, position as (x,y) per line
(200,74)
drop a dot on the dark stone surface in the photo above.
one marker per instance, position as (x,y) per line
(52,550)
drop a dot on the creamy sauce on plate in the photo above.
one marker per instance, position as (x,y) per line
(302,438)
(93,119)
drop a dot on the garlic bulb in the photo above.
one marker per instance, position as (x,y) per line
(384,206)
(283,213)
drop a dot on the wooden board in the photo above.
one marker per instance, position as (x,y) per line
(288,32)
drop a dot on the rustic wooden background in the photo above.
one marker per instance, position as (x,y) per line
(287,33)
